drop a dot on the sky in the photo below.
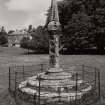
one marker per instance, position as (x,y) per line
(18,14)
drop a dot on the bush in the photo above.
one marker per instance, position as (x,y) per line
(3,38)
(39,42)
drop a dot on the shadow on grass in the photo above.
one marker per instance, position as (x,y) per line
(84,52)
(33,53)
(70,52)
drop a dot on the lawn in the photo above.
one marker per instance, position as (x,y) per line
(17,56)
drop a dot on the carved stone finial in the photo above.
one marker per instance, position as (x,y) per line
(54,23)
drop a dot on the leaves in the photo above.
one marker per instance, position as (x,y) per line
(83,25)
(39,41)
(3,37)
(81,21)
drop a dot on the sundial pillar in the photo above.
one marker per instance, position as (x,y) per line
(54,31)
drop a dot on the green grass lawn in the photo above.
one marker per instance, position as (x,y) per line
(17,56)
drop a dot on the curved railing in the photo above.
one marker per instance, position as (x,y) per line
(90,75)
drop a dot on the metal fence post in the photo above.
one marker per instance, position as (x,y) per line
(95,77)
(9,78)
(15,86)
(23,73)
(99,90)
(59,93)
(83,72)
(76,89)
(41,67)
(34,99)
(39,78)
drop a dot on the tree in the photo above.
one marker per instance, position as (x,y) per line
(39,42)
(99,23)
(25,42)
(76,24)
(83,23)
(30,28)
(10,31)
(3,37)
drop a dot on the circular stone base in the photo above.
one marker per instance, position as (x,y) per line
(55,84)
(55,70)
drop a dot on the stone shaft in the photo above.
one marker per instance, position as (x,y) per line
(54,51)
(54,29)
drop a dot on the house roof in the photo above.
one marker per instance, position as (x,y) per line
(18,33)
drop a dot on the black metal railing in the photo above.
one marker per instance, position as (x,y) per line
(17,74)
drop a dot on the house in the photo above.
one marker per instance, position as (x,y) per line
(15,37)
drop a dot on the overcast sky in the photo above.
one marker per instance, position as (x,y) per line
(17,14)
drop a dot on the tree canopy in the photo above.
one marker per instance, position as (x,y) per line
(39,41)
(82,22)
(3,36)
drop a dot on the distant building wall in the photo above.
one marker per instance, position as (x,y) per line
(15,39)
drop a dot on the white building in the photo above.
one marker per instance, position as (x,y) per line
(15,37)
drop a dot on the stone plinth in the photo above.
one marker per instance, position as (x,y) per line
(55,84)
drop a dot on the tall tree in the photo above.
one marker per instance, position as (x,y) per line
(30,28)
(99,23)
(76,24)
(40,39)
(3,36)
(83,23)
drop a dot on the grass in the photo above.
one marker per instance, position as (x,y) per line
(17,56)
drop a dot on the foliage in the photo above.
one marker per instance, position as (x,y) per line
(11,31)
(3,37)
(99,22)
(39,41)
(30,28)
(76,25)
(25,42)
(83,23)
